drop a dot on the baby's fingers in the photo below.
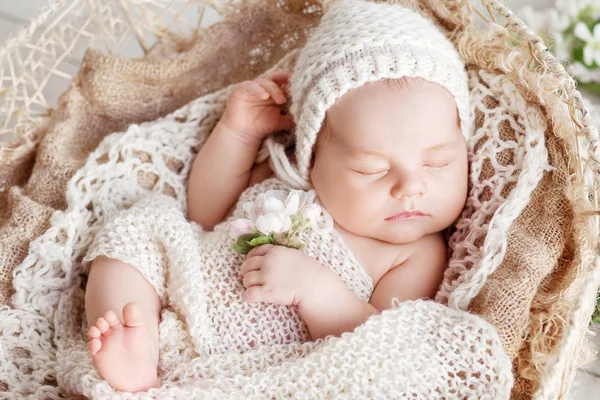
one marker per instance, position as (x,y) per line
(255,294)
(251,264)
(253,89)
(252,278)
(280,77)
(274,91)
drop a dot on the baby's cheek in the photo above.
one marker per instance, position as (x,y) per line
(452,193)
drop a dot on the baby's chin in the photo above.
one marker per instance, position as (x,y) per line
(409,233)
(401,238)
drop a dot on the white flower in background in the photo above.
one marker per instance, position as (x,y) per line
(591,50)
(550,25)
(583,74)
(551,21)
(277,217)
(557,24)
(572,8)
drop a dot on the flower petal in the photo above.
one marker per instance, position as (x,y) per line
(303,196)
(596,33)
(287,224)
(291,203)
(264,224)
(250,209)
(272,204)
(241,227)
(588,55)
(311,212)
(259,203)
(280,195)
(583,32)
(597,57)
(273,222)
(559,22)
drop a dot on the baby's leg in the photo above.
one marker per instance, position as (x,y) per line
(123,313)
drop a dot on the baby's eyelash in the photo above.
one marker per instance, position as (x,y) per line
(437,165)
(371,173)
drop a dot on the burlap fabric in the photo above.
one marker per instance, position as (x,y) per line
(532,297)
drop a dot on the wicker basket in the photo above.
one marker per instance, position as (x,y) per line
(42,57)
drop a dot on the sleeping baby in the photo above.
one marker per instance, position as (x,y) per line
(380,113)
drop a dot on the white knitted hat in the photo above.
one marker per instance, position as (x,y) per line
(358,42)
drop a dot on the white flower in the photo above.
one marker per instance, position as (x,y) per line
(280,195)
(550,21)
(292,203)
(241,227)
(311,212)
(572,8)
(271,204)
(250,209)
(273,222)
(584,74)
(591,50)
(550,25)
(295,201)
(282,216)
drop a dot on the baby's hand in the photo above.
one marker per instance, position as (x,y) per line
(278,274)
(253,109)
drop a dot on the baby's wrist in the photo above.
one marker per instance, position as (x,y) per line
(229,129)
(310,290)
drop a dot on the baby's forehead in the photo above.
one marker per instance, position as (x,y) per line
(406,101)
(360,142)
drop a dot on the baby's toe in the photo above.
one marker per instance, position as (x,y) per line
(112,319)
(94,345)
(132,314)
(102,325)
(94,332)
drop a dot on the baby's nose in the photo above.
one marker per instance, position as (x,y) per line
(408,186)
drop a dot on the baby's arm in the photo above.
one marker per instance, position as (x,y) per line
(331,308)
(219,174)
(222,168)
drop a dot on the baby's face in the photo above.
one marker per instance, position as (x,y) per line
(391,163)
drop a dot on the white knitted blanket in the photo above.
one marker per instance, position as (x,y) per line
(197,273)
(417,349)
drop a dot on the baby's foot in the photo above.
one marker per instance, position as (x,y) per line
(124,354)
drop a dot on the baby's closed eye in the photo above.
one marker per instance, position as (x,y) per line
(439,163)
(367,171)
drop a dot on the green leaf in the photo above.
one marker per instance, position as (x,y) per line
(257,241)
(242,245)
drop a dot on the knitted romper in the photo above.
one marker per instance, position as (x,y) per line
(206,289)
